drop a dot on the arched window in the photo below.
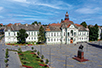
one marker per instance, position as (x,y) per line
(72,32)
(68,33)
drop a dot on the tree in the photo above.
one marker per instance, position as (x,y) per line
(84,24)
(21,36)
(35,22)
(39,23)
(96,31)
(93,33)
(41,35)
(0,25)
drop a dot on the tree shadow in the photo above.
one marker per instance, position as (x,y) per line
(95,45)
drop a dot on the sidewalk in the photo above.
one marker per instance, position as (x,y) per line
(14,61)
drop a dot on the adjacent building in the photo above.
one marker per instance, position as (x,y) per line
(65,32)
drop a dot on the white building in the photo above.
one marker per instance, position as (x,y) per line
(99,33)
(65,32)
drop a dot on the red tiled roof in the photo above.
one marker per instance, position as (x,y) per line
(68,25)
(9,24)
(78,25)
(55,24)
(67,21)
(1,24)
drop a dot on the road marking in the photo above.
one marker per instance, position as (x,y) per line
(55,57)
(61,60)
(68,65)
(51,62)
(99,59)
(70,59)
(92,56)
(92,61)
(51,53)
(100,65)
(80,63)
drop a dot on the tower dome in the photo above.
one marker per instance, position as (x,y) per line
(66,16)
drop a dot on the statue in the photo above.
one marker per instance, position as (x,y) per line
(80,55)
(81,47)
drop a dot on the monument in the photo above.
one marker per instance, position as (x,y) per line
(80,55)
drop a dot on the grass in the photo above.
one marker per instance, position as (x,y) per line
(31,60)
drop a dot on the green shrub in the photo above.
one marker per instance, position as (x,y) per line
(32,48)
(47,61)
(42,57)
(35,50)
(38,52)
(6,61)
(19,50)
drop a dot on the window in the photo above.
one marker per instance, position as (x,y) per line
(29,33)
(54,39)
(32,33)
(54,34)
(57,34)
(51,39)
(72,32)
(14,34)
(64,33)
(9,33)
(48,39)
(57,39)
(68,33)
(34,38)
(51,34)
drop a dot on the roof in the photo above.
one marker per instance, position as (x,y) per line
(9,24)
(78,25)
(26,27)
(55,24)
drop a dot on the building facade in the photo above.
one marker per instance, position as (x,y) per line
(65,32)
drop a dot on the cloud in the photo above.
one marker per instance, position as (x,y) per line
(88,10)
(1,8)
(22,1)
(1,17)
(48,5)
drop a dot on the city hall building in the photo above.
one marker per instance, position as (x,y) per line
(65,32)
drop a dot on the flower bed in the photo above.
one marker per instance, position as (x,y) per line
(27,66)
(32,53)
(31,60)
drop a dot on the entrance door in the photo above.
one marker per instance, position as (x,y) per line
(71,40)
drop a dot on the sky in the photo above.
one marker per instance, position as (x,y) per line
(50,11)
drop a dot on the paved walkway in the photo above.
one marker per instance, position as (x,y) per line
(58,55)
(14,61)
(92,51)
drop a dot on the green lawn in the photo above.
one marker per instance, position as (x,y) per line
(31,60)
